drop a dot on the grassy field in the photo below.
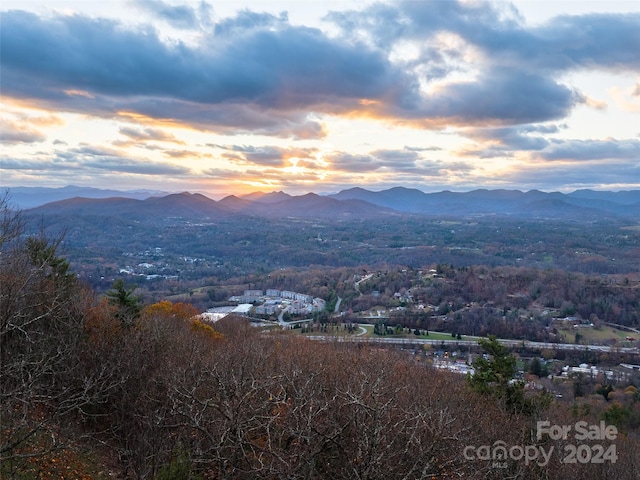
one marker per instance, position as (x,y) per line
(593,336)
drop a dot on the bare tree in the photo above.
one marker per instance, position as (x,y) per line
(42,307)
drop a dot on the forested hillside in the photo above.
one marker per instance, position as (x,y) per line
(510,302)
(106,386)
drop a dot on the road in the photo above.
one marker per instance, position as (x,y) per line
(420,341)
(356,285)
(290,324)
(622,327)
(337,309)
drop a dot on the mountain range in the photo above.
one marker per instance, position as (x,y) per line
(30,197)
(351,203)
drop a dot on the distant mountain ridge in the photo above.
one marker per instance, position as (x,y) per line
(356,203)
(535,203)
(197,207)
(30,197)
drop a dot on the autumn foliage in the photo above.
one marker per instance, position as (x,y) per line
(164,395)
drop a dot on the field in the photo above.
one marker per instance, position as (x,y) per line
(597,336)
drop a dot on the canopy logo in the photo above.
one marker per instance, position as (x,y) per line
(541,454)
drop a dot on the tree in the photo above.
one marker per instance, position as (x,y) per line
(380,328)
(127,306)
(578,385)
(166,309)
(11,222)
(495,370)
(617,415)
(535,367)
(604,390)
(42,311)
(494,376)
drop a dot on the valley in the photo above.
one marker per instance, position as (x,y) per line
(514,276)
(387,301)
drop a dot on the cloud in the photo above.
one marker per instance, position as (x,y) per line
(19,127)
(292,66)
(563,176)
(405,161)
(85,164)
(183,154)
(486,152)
(423,149)
(503,97)
(226,119)
(397,159)
(627,99)
(35,164)
(588,150)
(498,30)
(242,80)
(257,73)
(115,161)
(607,41)
(149,133)
(268,156)
(505,141)
(12,133)
(178,16)
(247,20)
(355,163)
(514,65)
(594,103)
(126,165)
(265,177)
(94,151)
(394,160)
(425,20)
(42,120)
(221,174)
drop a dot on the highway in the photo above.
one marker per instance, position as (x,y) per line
(513,343)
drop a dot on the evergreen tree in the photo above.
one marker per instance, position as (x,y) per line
(494,376)
(128,306)
(535,368)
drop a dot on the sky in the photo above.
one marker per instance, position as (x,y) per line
(320,96)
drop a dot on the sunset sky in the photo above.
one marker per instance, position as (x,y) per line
(301,96)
